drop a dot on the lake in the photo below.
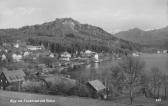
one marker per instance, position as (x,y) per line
(155,60)
(92,71)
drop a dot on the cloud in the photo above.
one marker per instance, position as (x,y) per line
(112,15)
(19,11)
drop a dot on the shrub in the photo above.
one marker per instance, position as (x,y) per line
(34,86)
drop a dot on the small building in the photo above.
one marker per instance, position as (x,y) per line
(16,45)
(96,57)
(164,51)
(158,52)
(26,53)
(11,77)
(136,54)
(88,52)
(51,55)
(98,88)
(65,56)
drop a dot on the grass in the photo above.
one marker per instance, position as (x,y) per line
(141,101)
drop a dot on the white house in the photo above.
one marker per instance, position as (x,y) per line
(26,53)
(3,57)
(65,56)
(135,54)
(16,45)
(51,55)
(158,52)
(16,57)
(96,57)
(88,52)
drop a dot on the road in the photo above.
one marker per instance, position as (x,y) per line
(8,98)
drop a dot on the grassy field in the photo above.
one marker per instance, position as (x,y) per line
(14,99)
(141,101)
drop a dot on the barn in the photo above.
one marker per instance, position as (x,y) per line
(11,77)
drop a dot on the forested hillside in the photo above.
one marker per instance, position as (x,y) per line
(68,34)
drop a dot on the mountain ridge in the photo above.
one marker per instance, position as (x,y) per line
(155,38)
(69,34)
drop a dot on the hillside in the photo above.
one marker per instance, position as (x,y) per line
(155,38)
(68,34)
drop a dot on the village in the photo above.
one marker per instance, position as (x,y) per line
(30,68)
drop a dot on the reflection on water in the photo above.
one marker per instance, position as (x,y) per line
(96,65)
(93,71)
(156,60)
(88,66)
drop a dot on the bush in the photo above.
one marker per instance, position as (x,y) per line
(80,90)
(13,87)
(34,86)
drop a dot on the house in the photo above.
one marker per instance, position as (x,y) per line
(96,58)
(158,52)
(51,55)
(16,57)
(3,57)
(16,45)
(136,54)
(65,56)
(88,53)
(26,53)
(19,44)
(164,51)
(11,77)
(34,48)
(98,88)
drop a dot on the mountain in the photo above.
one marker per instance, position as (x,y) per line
(154,38)
(68,34)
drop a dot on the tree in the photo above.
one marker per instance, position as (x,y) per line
(156,80)
(165,83)
(132,69)
(116,79)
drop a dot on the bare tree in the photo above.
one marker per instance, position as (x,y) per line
(165,83)
(156,81)
(132,69)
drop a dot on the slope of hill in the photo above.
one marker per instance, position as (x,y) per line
(155,38)
(68,34)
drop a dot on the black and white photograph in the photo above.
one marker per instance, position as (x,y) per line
(83,52)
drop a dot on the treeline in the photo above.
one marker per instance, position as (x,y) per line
(72,45)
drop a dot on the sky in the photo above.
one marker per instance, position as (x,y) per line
(111,15)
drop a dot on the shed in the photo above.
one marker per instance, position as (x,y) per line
(97,85)
(99,90)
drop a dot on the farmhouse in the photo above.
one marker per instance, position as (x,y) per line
(11,77)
